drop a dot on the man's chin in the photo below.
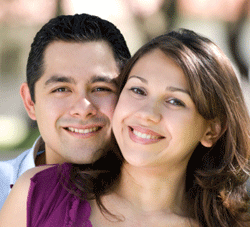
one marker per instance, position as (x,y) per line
(86,160)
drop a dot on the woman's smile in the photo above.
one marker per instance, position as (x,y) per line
(143,135)
(155,109)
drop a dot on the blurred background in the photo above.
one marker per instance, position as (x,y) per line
(226,22)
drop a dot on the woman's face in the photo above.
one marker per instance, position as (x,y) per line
(155,121)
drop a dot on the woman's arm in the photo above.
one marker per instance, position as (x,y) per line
(14,210)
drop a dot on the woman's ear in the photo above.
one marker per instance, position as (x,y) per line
(27,101)
(213,133)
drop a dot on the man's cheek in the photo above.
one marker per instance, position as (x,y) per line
(108,109)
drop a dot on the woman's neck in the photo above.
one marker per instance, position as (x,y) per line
(153,189)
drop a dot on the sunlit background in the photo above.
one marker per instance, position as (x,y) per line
(227,22)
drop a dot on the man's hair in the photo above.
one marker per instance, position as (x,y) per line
(73,28)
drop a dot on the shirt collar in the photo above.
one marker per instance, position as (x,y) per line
(29,160)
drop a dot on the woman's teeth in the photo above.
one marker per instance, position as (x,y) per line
(144,135)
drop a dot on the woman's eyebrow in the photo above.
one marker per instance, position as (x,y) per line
(170,88)
(177,89)
(138,77)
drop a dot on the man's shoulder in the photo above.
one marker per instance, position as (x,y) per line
(14,163)
(17,158)
(22,162)
(9,167)
(9,172)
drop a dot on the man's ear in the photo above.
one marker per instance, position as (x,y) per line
(27,101)
(213,133)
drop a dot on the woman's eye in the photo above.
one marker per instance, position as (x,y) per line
(138,91)
(176,102)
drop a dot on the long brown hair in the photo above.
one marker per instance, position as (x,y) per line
(216,177)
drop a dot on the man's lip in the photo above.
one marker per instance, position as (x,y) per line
(146,131)
(84,131)
(83,127)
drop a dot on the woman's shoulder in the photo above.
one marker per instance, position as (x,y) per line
(44,179)
(50,198)
(48,172)
(29,174)
(14,210)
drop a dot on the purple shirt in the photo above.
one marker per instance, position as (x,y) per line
(50,204)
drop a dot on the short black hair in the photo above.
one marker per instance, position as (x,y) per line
(73,28)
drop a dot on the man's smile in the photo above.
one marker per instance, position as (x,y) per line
(83,131)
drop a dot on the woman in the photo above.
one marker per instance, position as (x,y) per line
(184,134)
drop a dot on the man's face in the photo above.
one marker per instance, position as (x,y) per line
(75,99)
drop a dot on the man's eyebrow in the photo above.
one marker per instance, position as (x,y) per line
(58,78)
(105,79)
(140,78)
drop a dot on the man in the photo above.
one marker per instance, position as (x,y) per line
(71,87)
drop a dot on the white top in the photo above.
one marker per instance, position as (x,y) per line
(10,170)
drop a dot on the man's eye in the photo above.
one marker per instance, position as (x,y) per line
(176,102)
(61,89)
(102,89)
(138,91)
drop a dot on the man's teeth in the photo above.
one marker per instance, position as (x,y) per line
(144,135)
(83,131)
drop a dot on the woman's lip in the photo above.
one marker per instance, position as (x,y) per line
(146,131)
(144,138)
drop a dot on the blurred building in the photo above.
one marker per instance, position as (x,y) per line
(227,22)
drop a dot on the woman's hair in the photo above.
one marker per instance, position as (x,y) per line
(216,177)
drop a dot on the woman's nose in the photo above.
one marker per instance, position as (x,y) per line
(150,112)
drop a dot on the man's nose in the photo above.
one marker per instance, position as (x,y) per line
(83,107)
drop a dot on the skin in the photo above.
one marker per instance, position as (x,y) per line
(151,189)
(74,100)
(155,101)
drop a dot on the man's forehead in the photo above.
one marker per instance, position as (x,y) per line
(74,62)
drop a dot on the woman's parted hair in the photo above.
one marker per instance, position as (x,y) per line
(216,177)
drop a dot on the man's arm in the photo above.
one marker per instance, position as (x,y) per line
(14,210)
